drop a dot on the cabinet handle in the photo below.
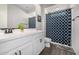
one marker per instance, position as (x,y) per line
(15,53)
(40,40)
(19,52)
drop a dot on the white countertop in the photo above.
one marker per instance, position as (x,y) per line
(17,33)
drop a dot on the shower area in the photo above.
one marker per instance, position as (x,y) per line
(58,26)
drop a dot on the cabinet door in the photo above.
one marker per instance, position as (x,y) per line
(26,49)
(41,44)
(35,46)
(38,46)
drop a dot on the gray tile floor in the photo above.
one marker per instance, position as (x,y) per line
(58,50)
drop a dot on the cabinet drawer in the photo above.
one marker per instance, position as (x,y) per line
(25,49)
(12,52)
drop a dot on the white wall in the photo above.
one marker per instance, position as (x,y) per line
(75,29)
(43,17)
(38,12)
(3,16)
(34,14)
(56,8)
(16,16)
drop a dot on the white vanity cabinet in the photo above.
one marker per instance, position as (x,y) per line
(27,45)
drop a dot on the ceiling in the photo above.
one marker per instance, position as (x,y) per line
(28,8)
(46,5)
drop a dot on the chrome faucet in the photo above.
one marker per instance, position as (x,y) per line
(8,30)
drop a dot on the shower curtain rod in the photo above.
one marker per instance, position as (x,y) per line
(75,18)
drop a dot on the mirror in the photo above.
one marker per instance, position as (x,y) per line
(13,14)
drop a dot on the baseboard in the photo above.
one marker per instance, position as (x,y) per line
(60,44)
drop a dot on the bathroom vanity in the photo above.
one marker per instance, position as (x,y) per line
(29,42)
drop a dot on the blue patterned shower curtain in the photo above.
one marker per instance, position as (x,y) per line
(58,26)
